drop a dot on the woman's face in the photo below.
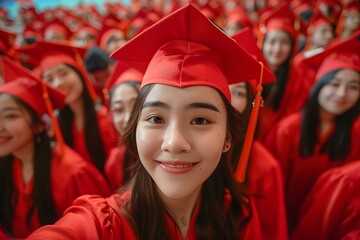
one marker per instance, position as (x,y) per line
(122,102)
(352,21)
(322,36)
(16,134)
(66,79)
(180,137)
(276,48)
(341,93)
(238,96)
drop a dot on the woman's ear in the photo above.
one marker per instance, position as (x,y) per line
(227,146)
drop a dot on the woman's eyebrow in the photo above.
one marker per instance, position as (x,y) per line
(203,105)
(155,104)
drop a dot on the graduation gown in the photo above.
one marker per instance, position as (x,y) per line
(71,177)
(332,208)
(114,167)
(265,183)
(300,173)
(94,217)
(107,132)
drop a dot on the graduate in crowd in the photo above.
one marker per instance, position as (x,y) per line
(323,134)
(264,178)
(349,20)
(38,179)
(332,208)
(121,91)
(84,122)
(278,40)
(181,128)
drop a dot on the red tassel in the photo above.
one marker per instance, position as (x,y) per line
(240,171)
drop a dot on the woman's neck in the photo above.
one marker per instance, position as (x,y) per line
(77,107)
(181,209)
(26,157)
(326,120)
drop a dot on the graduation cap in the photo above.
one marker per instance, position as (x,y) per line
(122,73)
(317,20)
(338,55)
(46,55)
(191,50)
(58,27)
(26,86)
(186,49)
(281,18)
(7,40)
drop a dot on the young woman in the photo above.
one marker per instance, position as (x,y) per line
(264,179)
(181,128)
(38,180)
(278,41)
(323,135)
(124,87)
(84,123)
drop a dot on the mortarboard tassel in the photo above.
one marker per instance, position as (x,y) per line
(240,171)
(50,110)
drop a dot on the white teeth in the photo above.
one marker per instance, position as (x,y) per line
(178,166)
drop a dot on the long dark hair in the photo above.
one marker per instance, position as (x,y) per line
(339,143)
(145,209)
(273,93)
(128,159)
(93,140)
(42,197)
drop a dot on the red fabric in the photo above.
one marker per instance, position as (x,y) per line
(332,209)
(354,235)
(93,217)
(265,183)
(114,167)
(107,133)
(71,177)
(301,173)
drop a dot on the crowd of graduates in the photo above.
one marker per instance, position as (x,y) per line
(67,94)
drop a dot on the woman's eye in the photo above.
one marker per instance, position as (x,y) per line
(238,94)
(155,120)
(199,121)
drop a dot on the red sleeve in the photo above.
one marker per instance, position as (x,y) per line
(90,217)
(72,177)
(282,141)
(114,167)
(109,136)
(353,235)
(332,208)
(265,183)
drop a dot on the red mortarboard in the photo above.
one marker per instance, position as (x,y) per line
(122,73)
(341,54)
(317,20)
(240,16)
(48,54)
(246,39)
(26,86)
(7,40)
(283,18)
(187,49)
(58,27)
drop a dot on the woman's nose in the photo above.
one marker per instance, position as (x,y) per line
(175,140)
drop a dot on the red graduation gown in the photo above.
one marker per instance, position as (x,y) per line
(332,208)
(114,167)
(300,81)
(353,235)
(94,217)
(301,173)
(107,133)
(265,183)
(71,177)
